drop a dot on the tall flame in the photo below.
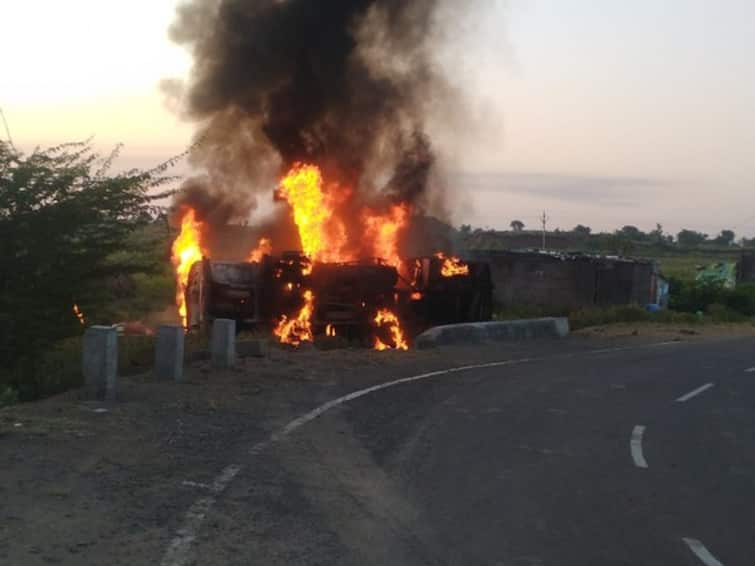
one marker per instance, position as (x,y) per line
(264,247)
(384,231)
(187,250)
(452,266)
(297,330)
(322,234)
(387,319)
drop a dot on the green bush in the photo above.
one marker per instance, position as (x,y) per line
(724,313)
(65,222)
(8,396)
(742,299)
(597,316)
(52,372)
(700,296)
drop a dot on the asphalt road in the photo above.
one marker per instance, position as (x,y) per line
(578,458)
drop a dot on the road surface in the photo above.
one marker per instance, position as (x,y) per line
(621,456)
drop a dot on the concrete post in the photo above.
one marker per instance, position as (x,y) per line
(100,361)
(223,343)
(169,353)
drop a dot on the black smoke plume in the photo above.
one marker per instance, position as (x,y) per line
(345,84)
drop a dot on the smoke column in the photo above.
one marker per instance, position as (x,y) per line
(345,84)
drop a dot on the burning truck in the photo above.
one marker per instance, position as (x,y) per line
(323,290)
(366,301)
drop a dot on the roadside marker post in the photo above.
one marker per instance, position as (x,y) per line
(100,361)
(169,353)
(223,343)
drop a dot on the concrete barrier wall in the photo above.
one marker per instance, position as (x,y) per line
(481,332)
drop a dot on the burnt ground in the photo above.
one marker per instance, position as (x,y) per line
(86,482)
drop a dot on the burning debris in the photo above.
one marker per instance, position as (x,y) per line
(452,266)
(385,319)
(78,314)
(299,329)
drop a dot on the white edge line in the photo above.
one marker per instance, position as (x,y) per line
(635,446)
(177,553)
(694,393)
(701,552)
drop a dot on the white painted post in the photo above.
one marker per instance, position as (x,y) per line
(169,353)
(223,343)
(100,361)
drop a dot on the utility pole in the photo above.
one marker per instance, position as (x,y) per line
(7,129)
(544,220)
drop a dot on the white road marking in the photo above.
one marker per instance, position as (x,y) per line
(750,370)
(178,552)
(609,350)
(694,393)
(635,447)
(180,546)
(701,552)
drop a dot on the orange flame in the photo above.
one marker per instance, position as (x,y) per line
(187,250)
(384,231)
(80,315)
(299,329)
(264,247)
(452,266)
(322,234)
(330,330)
(387,319)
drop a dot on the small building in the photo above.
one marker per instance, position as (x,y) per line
(567,281)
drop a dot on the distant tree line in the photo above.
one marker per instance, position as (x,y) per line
(628,236)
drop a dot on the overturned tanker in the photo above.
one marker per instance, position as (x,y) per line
(423,292)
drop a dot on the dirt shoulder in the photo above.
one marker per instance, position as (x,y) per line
(85,482)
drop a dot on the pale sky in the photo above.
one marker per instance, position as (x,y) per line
(603,112)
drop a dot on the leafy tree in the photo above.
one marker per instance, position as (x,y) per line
(517,225)
(632,233)
(691,238)
(465,229)
(658,236)
(582,230)
(726,238)
(62,218)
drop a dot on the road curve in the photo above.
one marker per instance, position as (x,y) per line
(517,464)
